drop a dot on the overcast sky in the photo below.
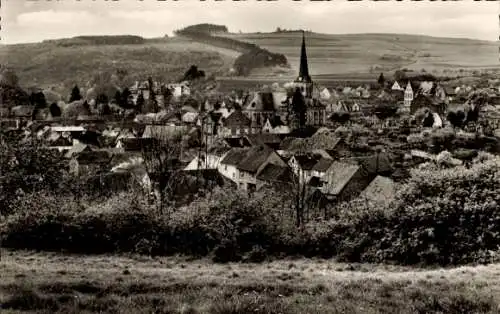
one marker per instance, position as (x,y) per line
(29,21)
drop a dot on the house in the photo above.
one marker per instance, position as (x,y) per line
(259,108)
(325,94)
(268,139)
(371,166)
(343,181)
(235,125)
(243,165)
(204,162)
(135,144)
(381,191)
(308,165)
(396,86)
(189,117)
(276,126)
(276,176)
(90,162)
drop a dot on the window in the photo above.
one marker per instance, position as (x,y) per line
(241,175)
(234,175)
(225,167)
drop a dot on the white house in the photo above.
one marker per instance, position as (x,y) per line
(206,162)
(396,86)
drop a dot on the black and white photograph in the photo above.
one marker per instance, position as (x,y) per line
(229,157)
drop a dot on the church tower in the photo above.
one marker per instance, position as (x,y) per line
(304,81)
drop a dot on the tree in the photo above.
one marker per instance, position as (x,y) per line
(102,99)
(384,111)
(75,94)
(8,78)
(162,163)
(26,167)
(118,98)
(381,80)
(299,108)
(139,104)
(399,75)
(125,96)
(456,118)
(55,111)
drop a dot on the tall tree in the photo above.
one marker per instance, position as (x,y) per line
(381,80)
(75,94)
(139,103)
(299,108)
(125,103)
(55,111)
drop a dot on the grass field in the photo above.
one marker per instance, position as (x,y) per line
(45,64)
(357,53)
(332,58)
(117,284)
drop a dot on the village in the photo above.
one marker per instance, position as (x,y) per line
(334,144)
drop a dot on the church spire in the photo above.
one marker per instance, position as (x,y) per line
(304,69)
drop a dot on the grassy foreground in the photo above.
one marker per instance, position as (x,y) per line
(54,283)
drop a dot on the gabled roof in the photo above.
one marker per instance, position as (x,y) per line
(247,159)
(237,119)
(380,190)
(255,157)
(261,101)
(339,175)
(275,173)
(375,164)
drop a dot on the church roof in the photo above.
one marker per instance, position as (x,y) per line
(304,68)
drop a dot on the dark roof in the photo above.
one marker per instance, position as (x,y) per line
(237,119)
(276,121)
(308,161)
(254,158)
(375,164)
(234,156)
(275,173)
(262,101)
(237,141)
(263,138)
(94,157)
(323,164)
(247,159)
(137,143)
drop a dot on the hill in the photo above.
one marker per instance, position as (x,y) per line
(361,55)
(354,57)
(63,63)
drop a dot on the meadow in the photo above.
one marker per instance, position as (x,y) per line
(55,283)
(355,54)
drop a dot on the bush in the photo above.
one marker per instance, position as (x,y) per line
(444,216)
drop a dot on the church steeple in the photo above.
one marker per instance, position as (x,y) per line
(304,68)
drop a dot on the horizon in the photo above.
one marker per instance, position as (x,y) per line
(34,22)
(248,33)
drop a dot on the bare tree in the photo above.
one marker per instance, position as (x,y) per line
(162,162)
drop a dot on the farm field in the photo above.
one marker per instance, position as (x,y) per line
(357,53)
(56,283)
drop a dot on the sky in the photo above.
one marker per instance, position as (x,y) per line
(34,21)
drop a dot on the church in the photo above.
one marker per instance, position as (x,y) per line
(316,111)
(264,106)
